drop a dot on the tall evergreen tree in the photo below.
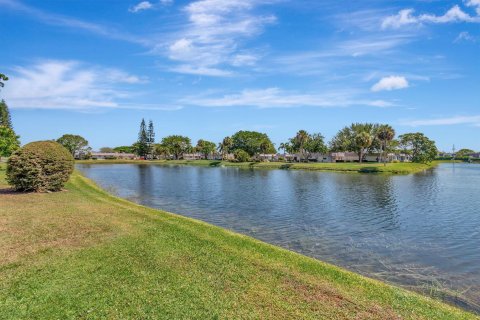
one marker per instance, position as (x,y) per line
(5,119)
(150,138)
(141,147)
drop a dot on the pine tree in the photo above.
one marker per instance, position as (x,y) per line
(150,138)
(141,147)
(5,119)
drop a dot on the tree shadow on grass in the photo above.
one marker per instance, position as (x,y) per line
(215,163)
(369,170)
(8,191)
(286,166)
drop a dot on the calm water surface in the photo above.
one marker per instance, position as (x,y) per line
(421,231)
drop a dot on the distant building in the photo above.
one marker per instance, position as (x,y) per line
(342,157)
(212,156)
(112,156)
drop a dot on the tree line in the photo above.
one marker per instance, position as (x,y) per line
(361,138)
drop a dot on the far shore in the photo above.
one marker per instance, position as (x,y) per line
(352,167)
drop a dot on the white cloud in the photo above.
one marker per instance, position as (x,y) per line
(475,4)
(404,17)
(141,6)
(68,85)
(390,83)
(455,14)
(240,60)
(455,120)
(201,71)
(213,37)
(277,98)
(465,36)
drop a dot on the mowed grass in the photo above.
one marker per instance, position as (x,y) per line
(390,168)
(85,254)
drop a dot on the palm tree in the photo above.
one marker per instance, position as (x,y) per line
(363,140)
(301,139)
(282,146)
(225,146)
(385,134)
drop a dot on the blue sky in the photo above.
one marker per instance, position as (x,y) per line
(208,68)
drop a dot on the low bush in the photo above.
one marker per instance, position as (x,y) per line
(40,166)
(241,156)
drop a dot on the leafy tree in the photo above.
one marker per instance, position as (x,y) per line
(3,78)
(422,149)
(346,139)
(161,150)
(225,147)
(142,145)
(5,118)
(305,144)
(241,155)
(205,147)
(316,144)
(363,140)
(9,141)
(107,150)
(385,134)
(177,145)
(252,142)
(77,145)
(463,153)
(124,149)
(150,138)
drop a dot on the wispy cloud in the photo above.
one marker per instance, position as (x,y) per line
(147,5)
(72,85)
(454,120)
(277,98)
(69,22)
(390,83)
(141,6)
(211,40)
(407,17)
(343,56)
(465,36)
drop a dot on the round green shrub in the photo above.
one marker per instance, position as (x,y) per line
(40,166)
(241,155)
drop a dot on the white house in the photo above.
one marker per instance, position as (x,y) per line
(112,155)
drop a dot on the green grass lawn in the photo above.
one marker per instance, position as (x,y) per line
(390,168)
(83,253)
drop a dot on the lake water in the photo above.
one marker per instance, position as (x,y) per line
(420,231)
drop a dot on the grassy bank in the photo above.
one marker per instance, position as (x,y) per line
(83,253)
(390,168)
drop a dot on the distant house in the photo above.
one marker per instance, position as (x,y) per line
(265,157)
(201,156)
(193,156)
(343,157)
(475,155)
(112,156)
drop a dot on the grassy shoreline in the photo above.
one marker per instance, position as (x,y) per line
(390,168)
(84,253)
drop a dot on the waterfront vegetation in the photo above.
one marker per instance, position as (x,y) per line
(391,168)
(83,253)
